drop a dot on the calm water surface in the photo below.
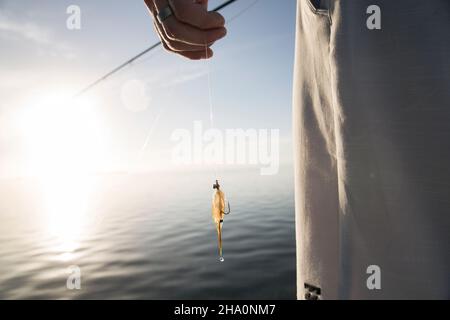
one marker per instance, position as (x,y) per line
(147,237)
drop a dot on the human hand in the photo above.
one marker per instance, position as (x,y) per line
(189,29)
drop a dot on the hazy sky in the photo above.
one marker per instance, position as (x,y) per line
(251,75)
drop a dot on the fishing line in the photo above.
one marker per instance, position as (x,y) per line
(211,108)
(208,73)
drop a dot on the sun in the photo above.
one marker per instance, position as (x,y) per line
(62,135)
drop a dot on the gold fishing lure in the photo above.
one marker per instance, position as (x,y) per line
(218,213)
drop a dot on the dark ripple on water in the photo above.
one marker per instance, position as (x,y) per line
(153,238)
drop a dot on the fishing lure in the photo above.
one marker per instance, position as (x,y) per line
(218,213)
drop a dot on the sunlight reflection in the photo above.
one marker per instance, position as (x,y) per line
(66,201)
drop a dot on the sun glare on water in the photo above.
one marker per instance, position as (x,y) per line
(64,147)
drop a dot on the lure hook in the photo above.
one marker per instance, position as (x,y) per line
(229,209)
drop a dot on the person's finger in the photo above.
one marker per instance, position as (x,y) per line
(197,55)
(195,14)
(193,55)
(173,44)
(204,3)
(178,31)
(151,7)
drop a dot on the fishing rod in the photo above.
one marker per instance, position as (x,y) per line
(136,57)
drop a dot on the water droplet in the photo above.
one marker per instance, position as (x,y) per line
(221,259)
